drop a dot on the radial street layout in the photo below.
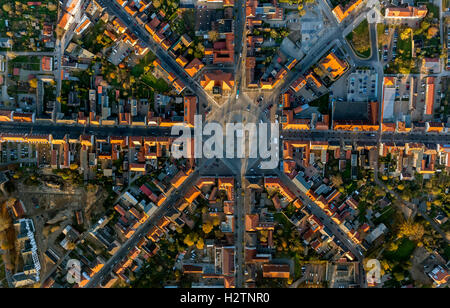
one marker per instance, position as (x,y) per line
(239,108)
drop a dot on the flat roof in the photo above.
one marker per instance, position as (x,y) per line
(350,111)
(388,103)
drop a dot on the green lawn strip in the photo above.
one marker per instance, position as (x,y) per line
(403,252)
(360,33)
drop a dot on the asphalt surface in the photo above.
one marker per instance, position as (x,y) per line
(234,106)
(142,231)
(167,62)
(75,131)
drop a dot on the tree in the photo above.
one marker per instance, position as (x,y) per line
(156,4)
(424,25)
(33,83)
(200,244)
(7,7)
(411,230)
(274,34)
(216,221)
(51,7)
(404,35)
(432,32)
(207,227)
(213,35)
(337,180)
(393,246)
(200,48)
(188,240)
(59,31)
(399,276)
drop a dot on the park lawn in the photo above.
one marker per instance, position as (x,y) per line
(359,39)
(402,64)
(406,47)
(432,46)
(25,59)
(403,252)
(30,63)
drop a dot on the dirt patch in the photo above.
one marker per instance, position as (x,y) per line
(417,270)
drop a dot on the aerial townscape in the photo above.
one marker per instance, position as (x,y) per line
(92,195)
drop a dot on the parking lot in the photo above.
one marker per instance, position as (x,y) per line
(362,86)
(119,52)
(12,152)
(314,273)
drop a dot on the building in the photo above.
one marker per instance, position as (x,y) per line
(333,66)
(355,116)
(83,25)
(47,64)
(387,108)
(343,12)
(223,51)
(276,271)
(190,109)
(429,96)
(194,67)
(178,85)
(398,13)
(439,275)
(217,81)
(30,272)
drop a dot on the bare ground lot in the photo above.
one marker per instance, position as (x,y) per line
(52,209)
(417,270)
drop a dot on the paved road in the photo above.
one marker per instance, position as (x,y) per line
(167,62)
(314,135)
(366,137)
(327,222)
(142,231)
(77,130)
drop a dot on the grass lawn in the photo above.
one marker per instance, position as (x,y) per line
(138,69)
(386,216)
(159,85)
(402,64)
(90,42)
(403,253)
(26,22)
(321,102)
(405,46)
(433,9)
(281,219)
(359,39)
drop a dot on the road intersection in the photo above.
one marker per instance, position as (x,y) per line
(239,108)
